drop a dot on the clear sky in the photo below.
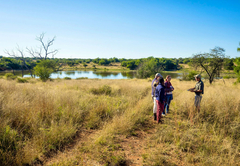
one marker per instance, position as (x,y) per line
(122,28)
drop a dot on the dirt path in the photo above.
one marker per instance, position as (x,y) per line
(135,146)
(69,152)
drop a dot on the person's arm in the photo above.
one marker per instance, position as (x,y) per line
(156,92)
(162,96)
(152,87)
(197,91)
(192,89)
(172,86)
(167,89)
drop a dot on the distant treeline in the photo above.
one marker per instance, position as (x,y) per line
(14,63)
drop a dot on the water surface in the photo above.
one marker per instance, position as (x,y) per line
(94,74)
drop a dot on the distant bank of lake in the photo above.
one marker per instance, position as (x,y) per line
(95,74)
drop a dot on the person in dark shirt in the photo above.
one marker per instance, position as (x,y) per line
(156,79)
(198,90)
(160,99)
(168,89)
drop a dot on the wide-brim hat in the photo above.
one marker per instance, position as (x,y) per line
(197,76)
(158,75)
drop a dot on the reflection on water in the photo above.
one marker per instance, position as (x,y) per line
(173,75)
(95,74)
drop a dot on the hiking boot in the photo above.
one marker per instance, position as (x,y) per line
(160,121)
(155,116)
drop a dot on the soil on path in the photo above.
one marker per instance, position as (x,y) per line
(133,147)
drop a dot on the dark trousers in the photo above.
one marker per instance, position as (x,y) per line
(167,103)
(160,107)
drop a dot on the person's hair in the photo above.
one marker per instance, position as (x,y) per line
(161,80)
(167,77)
(156,83)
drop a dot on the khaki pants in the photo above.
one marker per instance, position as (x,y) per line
(197,100)
(154,105)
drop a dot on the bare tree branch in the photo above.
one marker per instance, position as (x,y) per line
(45,47)
(21,57)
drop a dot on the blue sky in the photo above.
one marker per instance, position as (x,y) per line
(122,28)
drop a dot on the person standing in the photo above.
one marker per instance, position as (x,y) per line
(160,99)
(157,76)
(199,90)
(168,89)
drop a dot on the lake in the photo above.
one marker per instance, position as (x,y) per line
(95,74)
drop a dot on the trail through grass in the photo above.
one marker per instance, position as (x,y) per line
(109,122)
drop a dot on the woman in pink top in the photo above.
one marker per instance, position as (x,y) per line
(168,89)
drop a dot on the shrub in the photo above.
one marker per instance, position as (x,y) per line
(10,76)
(8,144)
(67,78)
(44,69)
(105,89)
(189,76)
(149,68)
(22,80)
(80,78)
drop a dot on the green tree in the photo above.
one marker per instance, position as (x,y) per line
(44,69)
(228,64)
(124,63)
(149,67)
(104,62)
(211,63)
(237,68)
(85,65)
(131,65)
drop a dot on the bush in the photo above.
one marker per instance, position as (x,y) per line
(10,76)
(189,76)
(80,78)
(228,77)
(102,90)
(67,78)
(149,68)
(44,69)
(8,145)
(22,80)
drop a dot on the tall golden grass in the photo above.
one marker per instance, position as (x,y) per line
(208,138)
(37,118)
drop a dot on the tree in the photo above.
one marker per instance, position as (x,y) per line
(228,64)
(149,68)
(211,63)
(44,49)
(21,57)
(237,68)
(85,65)
(9,63)
(44,69)
(124,63)
(131,65)
(104,62)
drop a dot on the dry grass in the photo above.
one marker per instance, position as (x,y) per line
(208,138)
(37,118)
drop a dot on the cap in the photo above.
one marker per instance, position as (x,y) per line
(197,76)
(158,75)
